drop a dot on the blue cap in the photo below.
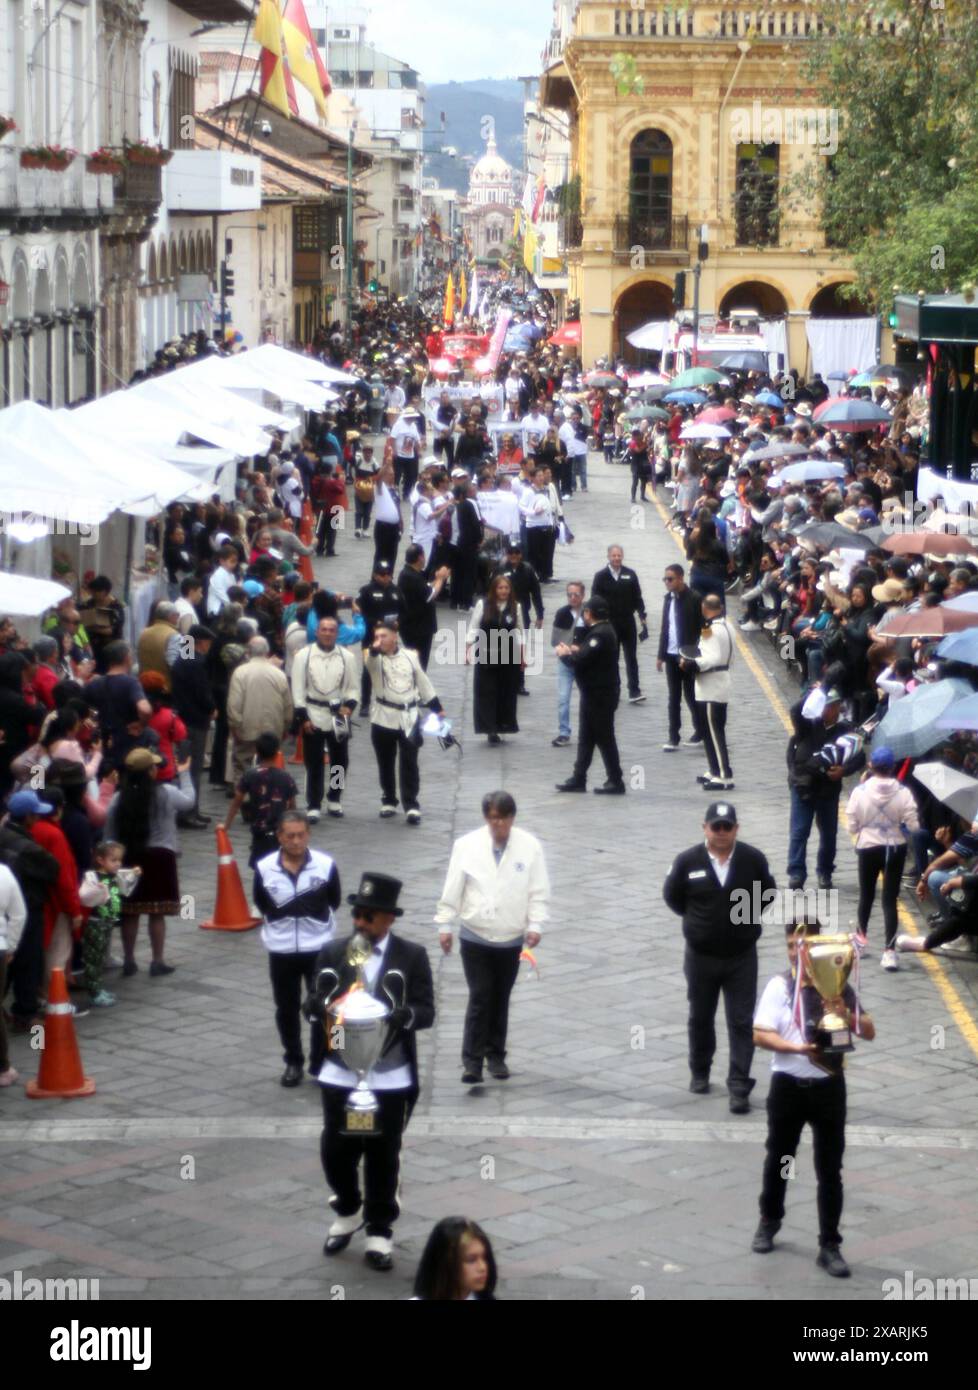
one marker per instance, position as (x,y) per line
(28,804)
(252,588)
(882,759)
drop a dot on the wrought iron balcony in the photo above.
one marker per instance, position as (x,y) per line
(651,234)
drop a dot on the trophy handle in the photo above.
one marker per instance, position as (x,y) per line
(336,984)
(395,975)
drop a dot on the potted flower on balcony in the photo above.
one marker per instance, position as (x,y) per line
(7,124)
(104,160)
(142,152)
(52,157)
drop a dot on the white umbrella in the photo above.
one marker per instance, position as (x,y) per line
(955,789)
(705,432)
(22,596)
(810,471)
(966,602)
(647,379)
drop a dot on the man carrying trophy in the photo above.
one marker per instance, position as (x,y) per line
(806,1018)
(371,993)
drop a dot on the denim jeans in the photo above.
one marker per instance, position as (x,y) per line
(823,811)
(580,471)
(934,882)
(565,686)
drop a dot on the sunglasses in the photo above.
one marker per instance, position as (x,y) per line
(721,825)
(363,914)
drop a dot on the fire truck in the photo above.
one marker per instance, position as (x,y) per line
(718,338)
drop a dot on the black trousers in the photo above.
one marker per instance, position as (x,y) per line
(736,977)
(290,970)
(889,862)
(490,973)
(628,641)
(446,447)
(712,723)
(596,729)
(791,1104)
(405,474)
(538,549)
(219,748)
(381,1154)
(26,972)
(198,746)
(464,562)
(387,538)
(314,746)
(681,686)
(388,743)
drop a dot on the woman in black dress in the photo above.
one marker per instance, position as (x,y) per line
(494,644)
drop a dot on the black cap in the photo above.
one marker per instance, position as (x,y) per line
(378,891)
(597,607)
(201,634)
(720,810)
(383,567)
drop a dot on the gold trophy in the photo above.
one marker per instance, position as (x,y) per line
(828,962)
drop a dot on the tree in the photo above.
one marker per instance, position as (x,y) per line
(902,74)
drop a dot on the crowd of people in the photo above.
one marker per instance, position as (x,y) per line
(109,742)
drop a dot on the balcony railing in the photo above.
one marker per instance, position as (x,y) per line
(570,231)
(140,184)
(651,233)
(33,193)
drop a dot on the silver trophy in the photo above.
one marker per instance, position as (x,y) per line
(358,1033)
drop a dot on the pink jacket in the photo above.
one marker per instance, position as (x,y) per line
(876,811)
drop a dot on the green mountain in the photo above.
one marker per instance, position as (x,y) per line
(466,106)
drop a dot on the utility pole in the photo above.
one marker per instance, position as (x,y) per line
(702,251)
(350,251)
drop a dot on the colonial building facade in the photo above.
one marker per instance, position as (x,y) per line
(687,127)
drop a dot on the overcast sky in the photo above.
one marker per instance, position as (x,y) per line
(460,40)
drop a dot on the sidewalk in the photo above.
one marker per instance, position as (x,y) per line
(192,1174)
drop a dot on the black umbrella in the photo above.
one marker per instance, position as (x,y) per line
(829,535)
(745,362)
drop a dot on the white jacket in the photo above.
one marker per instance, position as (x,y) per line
(321,678)
(713,663)
(496,901)
(13,910)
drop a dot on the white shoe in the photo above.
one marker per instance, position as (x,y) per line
(8,1077)
(771,625)
(346,1225)
(334,808)
(414,817)
(386,810)
(963,947)
(313,816)
(749,627)
(889,960)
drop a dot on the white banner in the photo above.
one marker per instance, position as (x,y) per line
(500,510)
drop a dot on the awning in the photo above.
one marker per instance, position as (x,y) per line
(22,596)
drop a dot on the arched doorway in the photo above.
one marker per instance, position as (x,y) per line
(639,304)
(754,294)
(829,303)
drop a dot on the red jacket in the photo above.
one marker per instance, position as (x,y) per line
(44,682)
(63,894)
(170,729)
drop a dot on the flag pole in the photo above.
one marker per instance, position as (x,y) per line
(237,71)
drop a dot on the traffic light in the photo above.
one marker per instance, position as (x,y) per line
(373,286)
(679,291)
(227,281)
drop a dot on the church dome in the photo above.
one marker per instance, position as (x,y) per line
(491,167)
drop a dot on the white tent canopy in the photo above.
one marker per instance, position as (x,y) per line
(280,360)
(164,422)
(130,479)
(241,373)
(22,596)
(240,420)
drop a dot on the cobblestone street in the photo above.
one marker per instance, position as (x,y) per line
(192,1174)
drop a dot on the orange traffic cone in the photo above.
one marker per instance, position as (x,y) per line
(297,757)
(60,1073)
(231,910)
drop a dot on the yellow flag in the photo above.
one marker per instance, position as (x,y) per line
(530,242)
(463,291)
(304,61)
(516,224)
(449,314)
(276,82)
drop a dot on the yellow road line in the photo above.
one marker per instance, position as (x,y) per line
(955,1005)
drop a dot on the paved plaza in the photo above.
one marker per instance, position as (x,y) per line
(191,1174)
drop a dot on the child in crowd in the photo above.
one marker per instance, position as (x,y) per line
(102,891)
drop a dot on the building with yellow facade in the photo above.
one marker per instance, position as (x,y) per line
(688,122)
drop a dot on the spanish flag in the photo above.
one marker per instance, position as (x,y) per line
(449,314)
(303,55)
(276,80)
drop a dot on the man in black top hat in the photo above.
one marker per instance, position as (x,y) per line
(595,664)
(393,1079)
